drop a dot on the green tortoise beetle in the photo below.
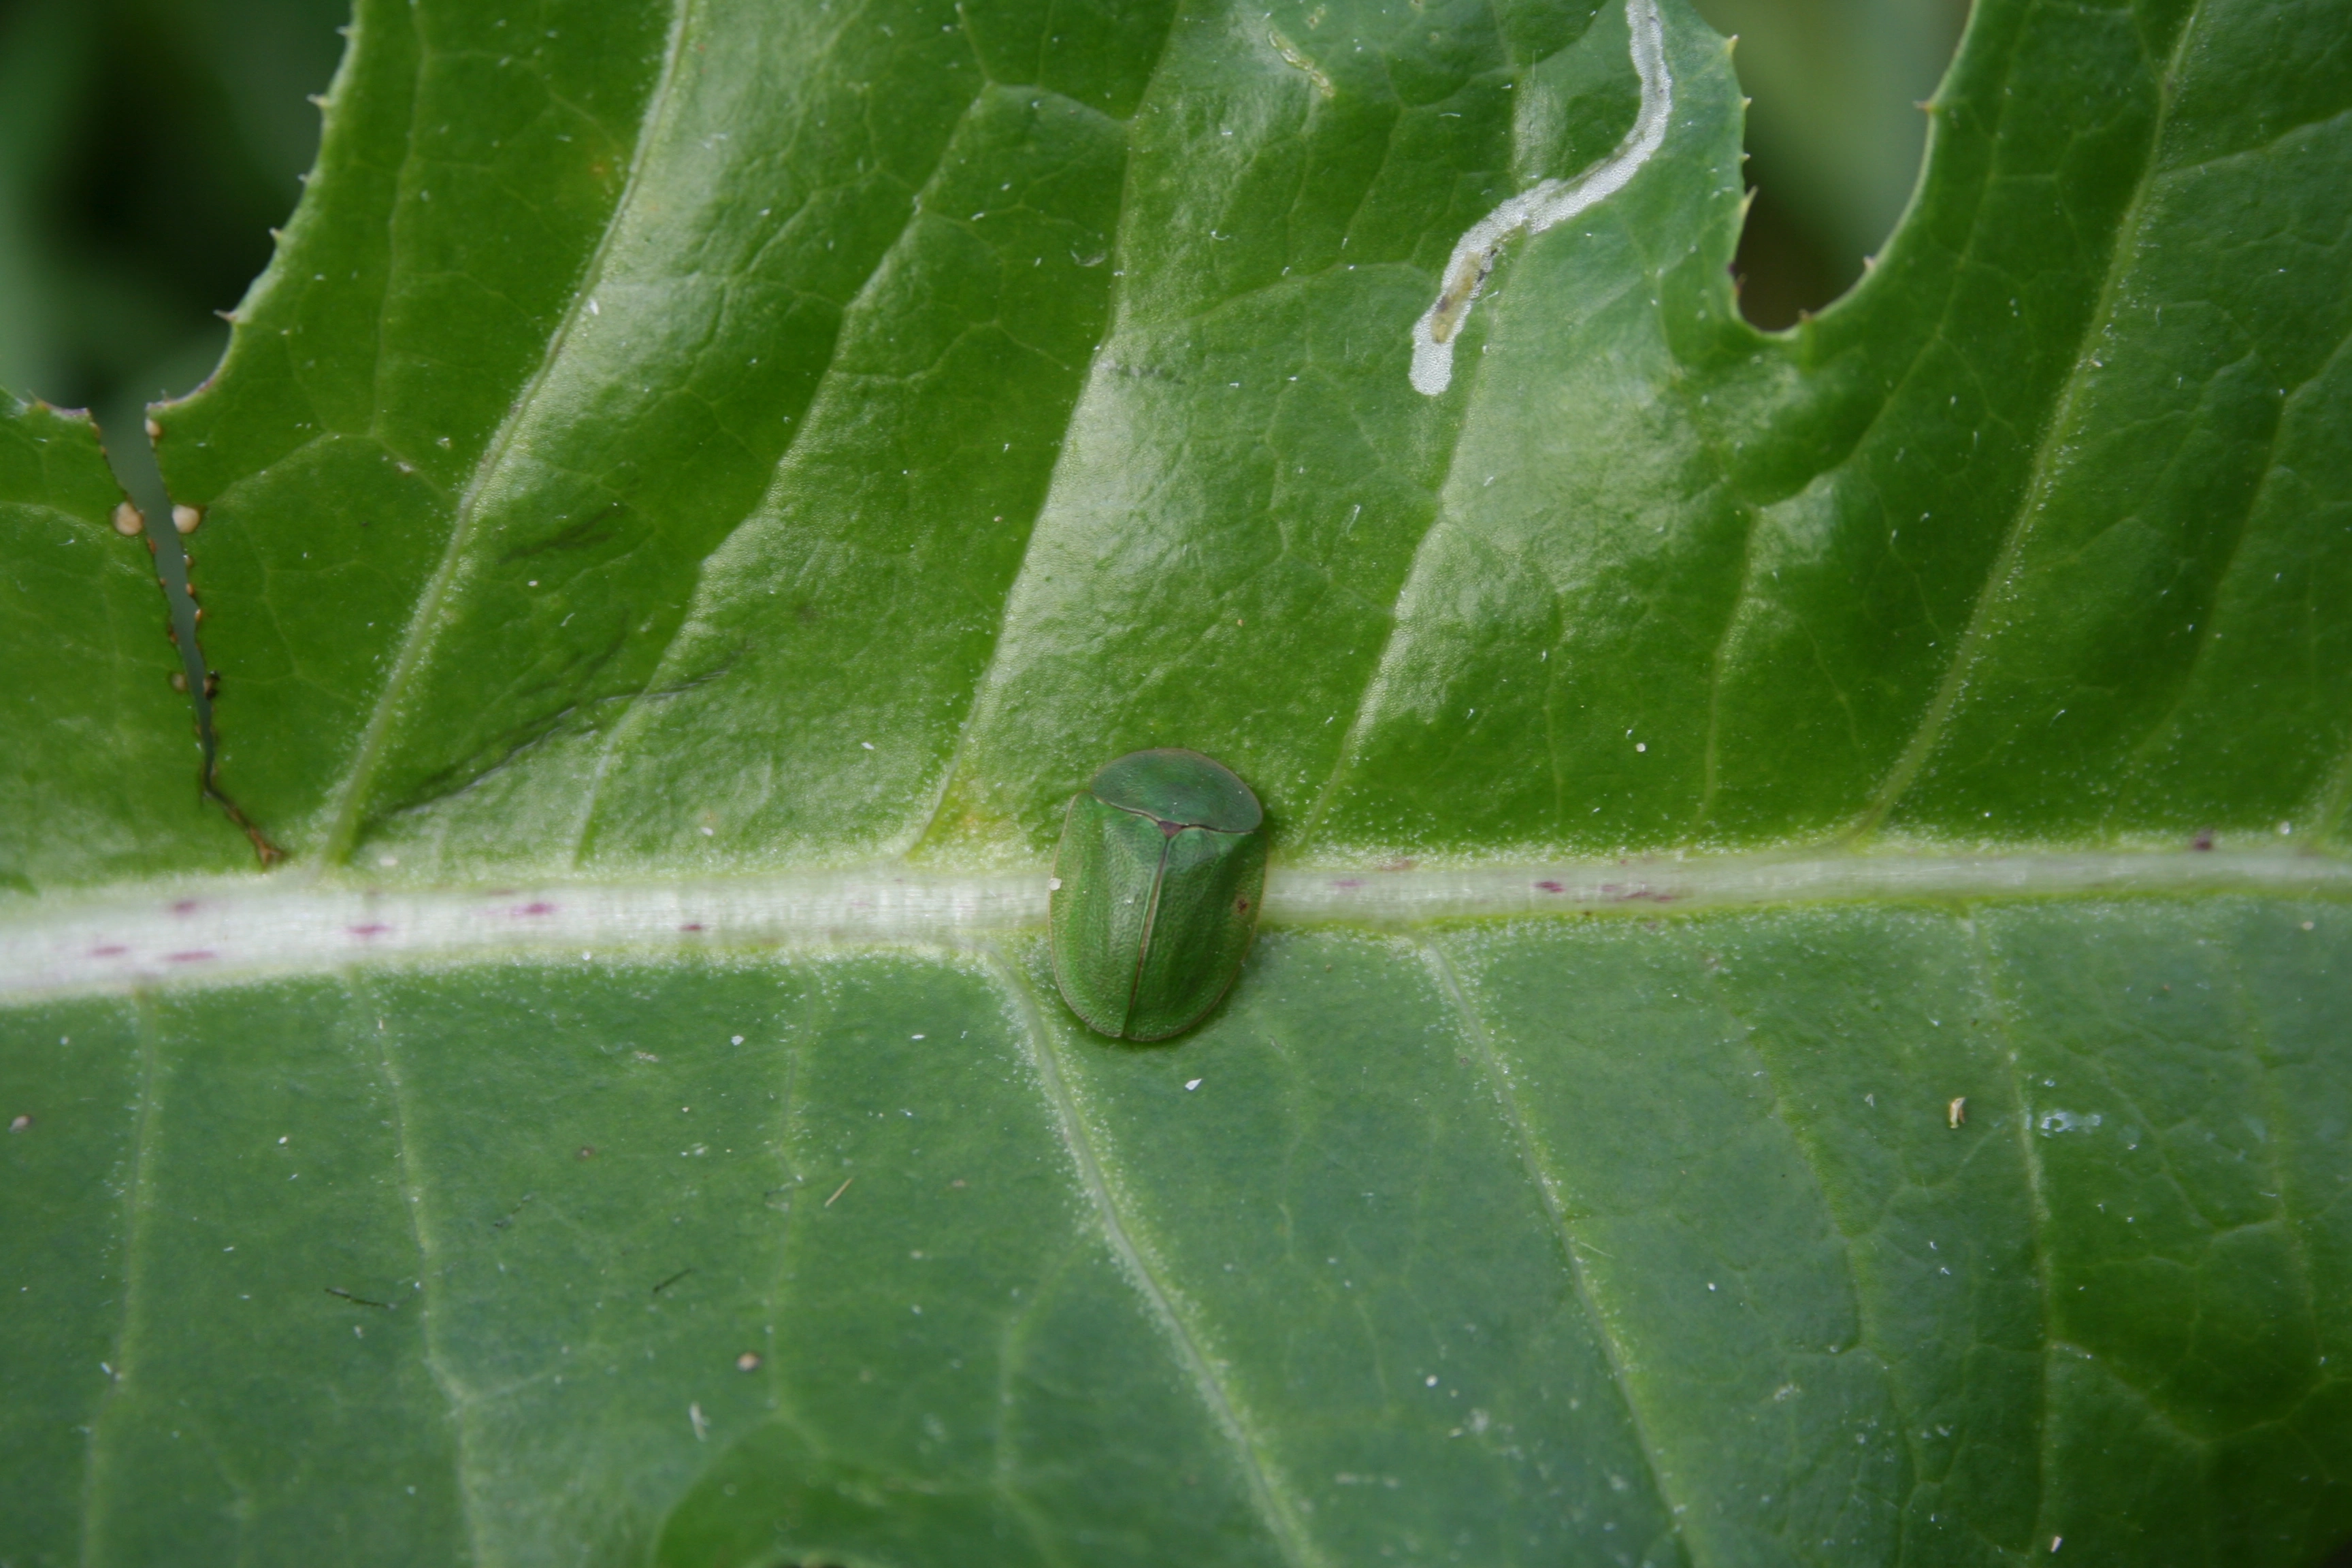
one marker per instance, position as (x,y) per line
(1155,892)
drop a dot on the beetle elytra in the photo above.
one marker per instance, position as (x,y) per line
(1155,892)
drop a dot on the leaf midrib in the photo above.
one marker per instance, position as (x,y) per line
(237,929)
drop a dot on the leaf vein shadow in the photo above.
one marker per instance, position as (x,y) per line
(1612,1348)
(1280,1513)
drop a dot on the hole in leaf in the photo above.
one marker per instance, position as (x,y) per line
(1834,136)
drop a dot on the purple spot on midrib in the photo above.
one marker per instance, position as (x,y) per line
(198,956)
(1551,887)
(539,909)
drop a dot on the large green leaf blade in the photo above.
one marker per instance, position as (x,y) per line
(679,446)
(1707,529)
(1593,1240)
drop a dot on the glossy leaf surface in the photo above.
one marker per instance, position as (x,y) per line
(682,456)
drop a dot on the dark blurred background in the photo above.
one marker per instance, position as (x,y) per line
(147,146)
(1834,135)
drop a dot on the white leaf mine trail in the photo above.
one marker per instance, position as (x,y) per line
(1545,203)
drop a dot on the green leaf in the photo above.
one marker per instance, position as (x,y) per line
(100,749)
(1801,1014)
